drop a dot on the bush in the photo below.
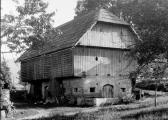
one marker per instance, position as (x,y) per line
(150,85)
(18,95)
(128,99)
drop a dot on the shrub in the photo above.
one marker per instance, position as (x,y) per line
(18,95)
(128,99)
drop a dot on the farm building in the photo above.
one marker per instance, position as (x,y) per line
(89,59)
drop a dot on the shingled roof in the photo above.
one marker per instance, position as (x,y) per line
(72,31)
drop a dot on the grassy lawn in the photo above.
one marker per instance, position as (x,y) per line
(151,114)
(141,110)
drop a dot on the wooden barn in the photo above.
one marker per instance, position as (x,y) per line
(89,59)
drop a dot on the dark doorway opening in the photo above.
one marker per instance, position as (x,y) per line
(108,91)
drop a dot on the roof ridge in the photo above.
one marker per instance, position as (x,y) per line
(114,18)
(76,18)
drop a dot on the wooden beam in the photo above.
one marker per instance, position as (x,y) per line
(8,52)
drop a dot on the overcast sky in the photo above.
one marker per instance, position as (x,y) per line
(64,10)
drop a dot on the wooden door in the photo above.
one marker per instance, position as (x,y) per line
(38,90)
(59,88)
(107,91)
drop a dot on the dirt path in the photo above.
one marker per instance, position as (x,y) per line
(41,113)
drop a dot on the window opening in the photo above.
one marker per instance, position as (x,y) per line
(123,89)
(92,89)
(75,89)
(96,58)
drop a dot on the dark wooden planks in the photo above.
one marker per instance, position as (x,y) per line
(57,64)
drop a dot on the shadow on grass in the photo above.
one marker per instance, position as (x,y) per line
(158,114)
(78,116)
(46,106)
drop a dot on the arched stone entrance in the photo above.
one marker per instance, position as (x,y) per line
(108,91)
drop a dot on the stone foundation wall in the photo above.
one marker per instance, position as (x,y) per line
(97,101)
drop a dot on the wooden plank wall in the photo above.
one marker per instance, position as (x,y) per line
(53,65)
(35,69)
(23,71)
(102,62)
(108,35)
(62,64)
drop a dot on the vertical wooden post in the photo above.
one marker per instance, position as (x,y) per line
(140,94)
(155,91)
(0,80)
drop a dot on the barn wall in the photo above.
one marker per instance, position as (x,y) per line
(108,35)
(62,63)
(81,86)
(98,67)
(52,65)
(102,62)
(24,71)
(35,69)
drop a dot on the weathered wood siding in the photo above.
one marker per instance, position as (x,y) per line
(57,64)
(101,58)
(35,69)
(108,35)
(97,68)
(62,63)
(102,62)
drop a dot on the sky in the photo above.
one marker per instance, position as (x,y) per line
(64,11)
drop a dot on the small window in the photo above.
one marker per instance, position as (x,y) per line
(123,89)
(101,30)
(75,89)
(92,89)
(108,74)
(96,58)
(84,74)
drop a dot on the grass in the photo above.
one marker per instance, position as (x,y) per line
(151,113)
(154,114)
(141,110)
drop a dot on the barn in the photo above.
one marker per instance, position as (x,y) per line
(87,60)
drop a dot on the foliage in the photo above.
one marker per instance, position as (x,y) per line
(128,99)
(84,6)
(5,75)
(150,20)
(30,27)
(18,96)
(150,85)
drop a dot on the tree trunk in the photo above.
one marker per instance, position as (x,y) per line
(155,91)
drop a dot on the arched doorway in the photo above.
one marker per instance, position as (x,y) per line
(108,91)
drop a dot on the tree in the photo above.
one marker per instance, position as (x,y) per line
(156,71)
(31,27)
(5,75)
(84,6)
